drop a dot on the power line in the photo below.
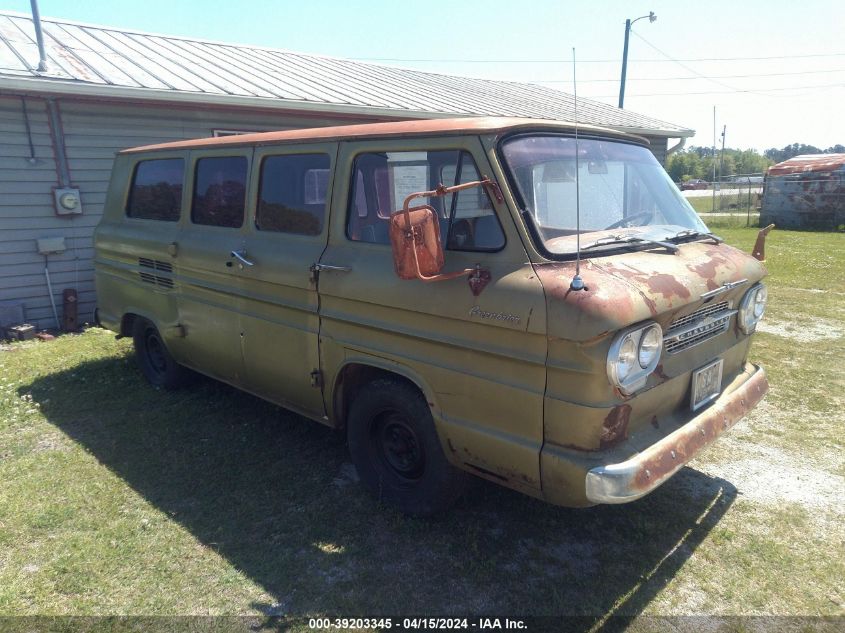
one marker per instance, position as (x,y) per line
(731,89)
(616,80)
(724,92)
(680,63)
(592,61)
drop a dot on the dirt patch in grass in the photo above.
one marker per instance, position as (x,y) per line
(767,475)
(803,330)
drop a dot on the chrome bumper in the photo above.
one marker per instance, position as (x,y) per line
(639,475)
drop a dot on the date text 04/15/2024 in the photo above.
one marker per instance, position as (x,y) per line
(480,624)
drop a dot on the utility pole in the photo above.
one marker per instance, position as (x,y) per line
(722,156)
(713,158)
(651,18)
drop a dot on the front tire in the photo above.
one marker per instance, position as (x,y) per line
(397,452)
(154,360)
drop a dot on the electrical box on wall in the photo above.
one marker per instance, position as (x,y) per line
(51,245)
(67,201)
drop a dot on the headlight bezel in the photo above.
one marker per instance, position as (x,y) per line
(747,316)
(635,379)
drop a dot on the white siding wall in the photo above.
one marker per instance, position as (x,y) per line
(26,211)
(93,133)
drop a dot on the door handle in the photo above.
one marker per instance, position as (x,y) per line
(315,269)
(241,257)
(332,268)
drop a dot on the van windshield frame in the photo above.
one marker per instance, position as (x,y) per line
(624,193)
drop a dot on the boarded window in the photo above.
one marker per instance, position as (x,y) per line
(220,191)
(156,192)
(382,181)
(292,193)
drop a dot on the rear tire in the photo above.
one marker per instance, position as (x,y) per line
(397,452)
(154,360)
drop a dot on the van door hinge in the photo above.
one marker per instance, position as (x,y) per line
(317,378)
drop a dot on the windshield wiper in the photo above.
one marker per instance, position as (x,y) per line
(694,233)
(629,239)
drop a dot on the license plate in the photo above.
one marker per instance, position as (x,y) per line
(706,384)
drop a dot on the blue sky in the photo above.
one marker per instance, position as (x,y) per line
(794,95)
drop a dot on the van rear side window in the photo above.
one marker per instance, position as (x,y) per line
(156,192)
(220,191)
(292,193)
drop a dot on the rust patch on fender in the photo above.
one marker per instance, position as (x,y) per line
(601,297)
(615,427)
(667,285)
(658,284)
(733,262)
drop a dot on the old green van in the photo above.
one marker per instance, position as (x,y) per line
(506,298)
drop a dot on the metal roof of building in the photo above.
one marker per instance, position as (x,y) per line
(808,163)
(102,61)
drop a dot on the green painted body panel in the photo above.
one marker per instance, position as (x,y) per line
(515,377)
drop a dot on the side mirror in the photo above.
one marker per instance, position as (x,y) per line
(415,239)
(415,236)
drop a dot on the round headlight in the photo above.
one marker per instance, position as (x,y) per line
(760,302)
(627,358)
(650,345)
(751,308)
(633,356)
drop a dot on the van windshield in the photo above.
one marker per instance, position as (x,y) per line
(624,193)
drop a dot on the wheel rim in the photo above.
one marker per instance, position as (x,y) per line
(398,446)
(155,352)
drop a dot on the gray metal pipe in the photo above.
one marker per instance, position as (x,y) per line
(39,36)
(58,141)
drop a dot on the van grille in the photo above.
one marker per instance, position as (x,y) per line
(697,327)
(158,266)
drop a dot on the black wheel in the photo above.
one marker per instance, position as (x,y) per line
(155,361)
(396,450)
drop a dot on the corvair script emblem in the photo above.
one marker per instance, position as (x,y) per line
(494,316)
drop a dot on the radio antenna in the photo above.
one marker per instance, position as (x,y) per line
(577,283)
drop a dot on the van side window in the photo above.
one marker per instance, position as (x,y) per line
(292,193)
(156,191)
(219,191)
(382,181)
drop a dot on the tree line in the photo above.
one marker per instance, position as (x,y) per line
(697,162)
(796,149)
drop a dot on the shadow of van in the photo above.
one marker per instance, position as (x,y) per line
(276,496)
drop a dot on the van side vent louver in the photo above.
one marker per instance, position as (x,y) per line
(159,266)
(697,327)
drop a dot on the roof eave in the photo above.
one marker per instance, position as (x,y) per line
(38,86)
(59,87)
(644,131)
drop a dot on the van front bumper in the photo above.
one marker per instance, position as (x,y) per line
(642,473)
(578,478)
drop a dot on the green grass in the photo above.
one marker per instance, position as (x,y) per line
(117,498)
(728,203)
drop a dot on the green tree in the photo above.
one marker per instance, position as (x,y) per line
(697,162)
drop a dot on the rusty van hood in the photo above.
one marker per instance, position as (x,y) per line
(630,287)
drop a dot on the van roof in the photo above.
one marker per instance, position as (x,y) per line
(475,125)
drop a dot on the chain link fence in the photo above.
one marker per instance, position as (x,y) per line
(736,195)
